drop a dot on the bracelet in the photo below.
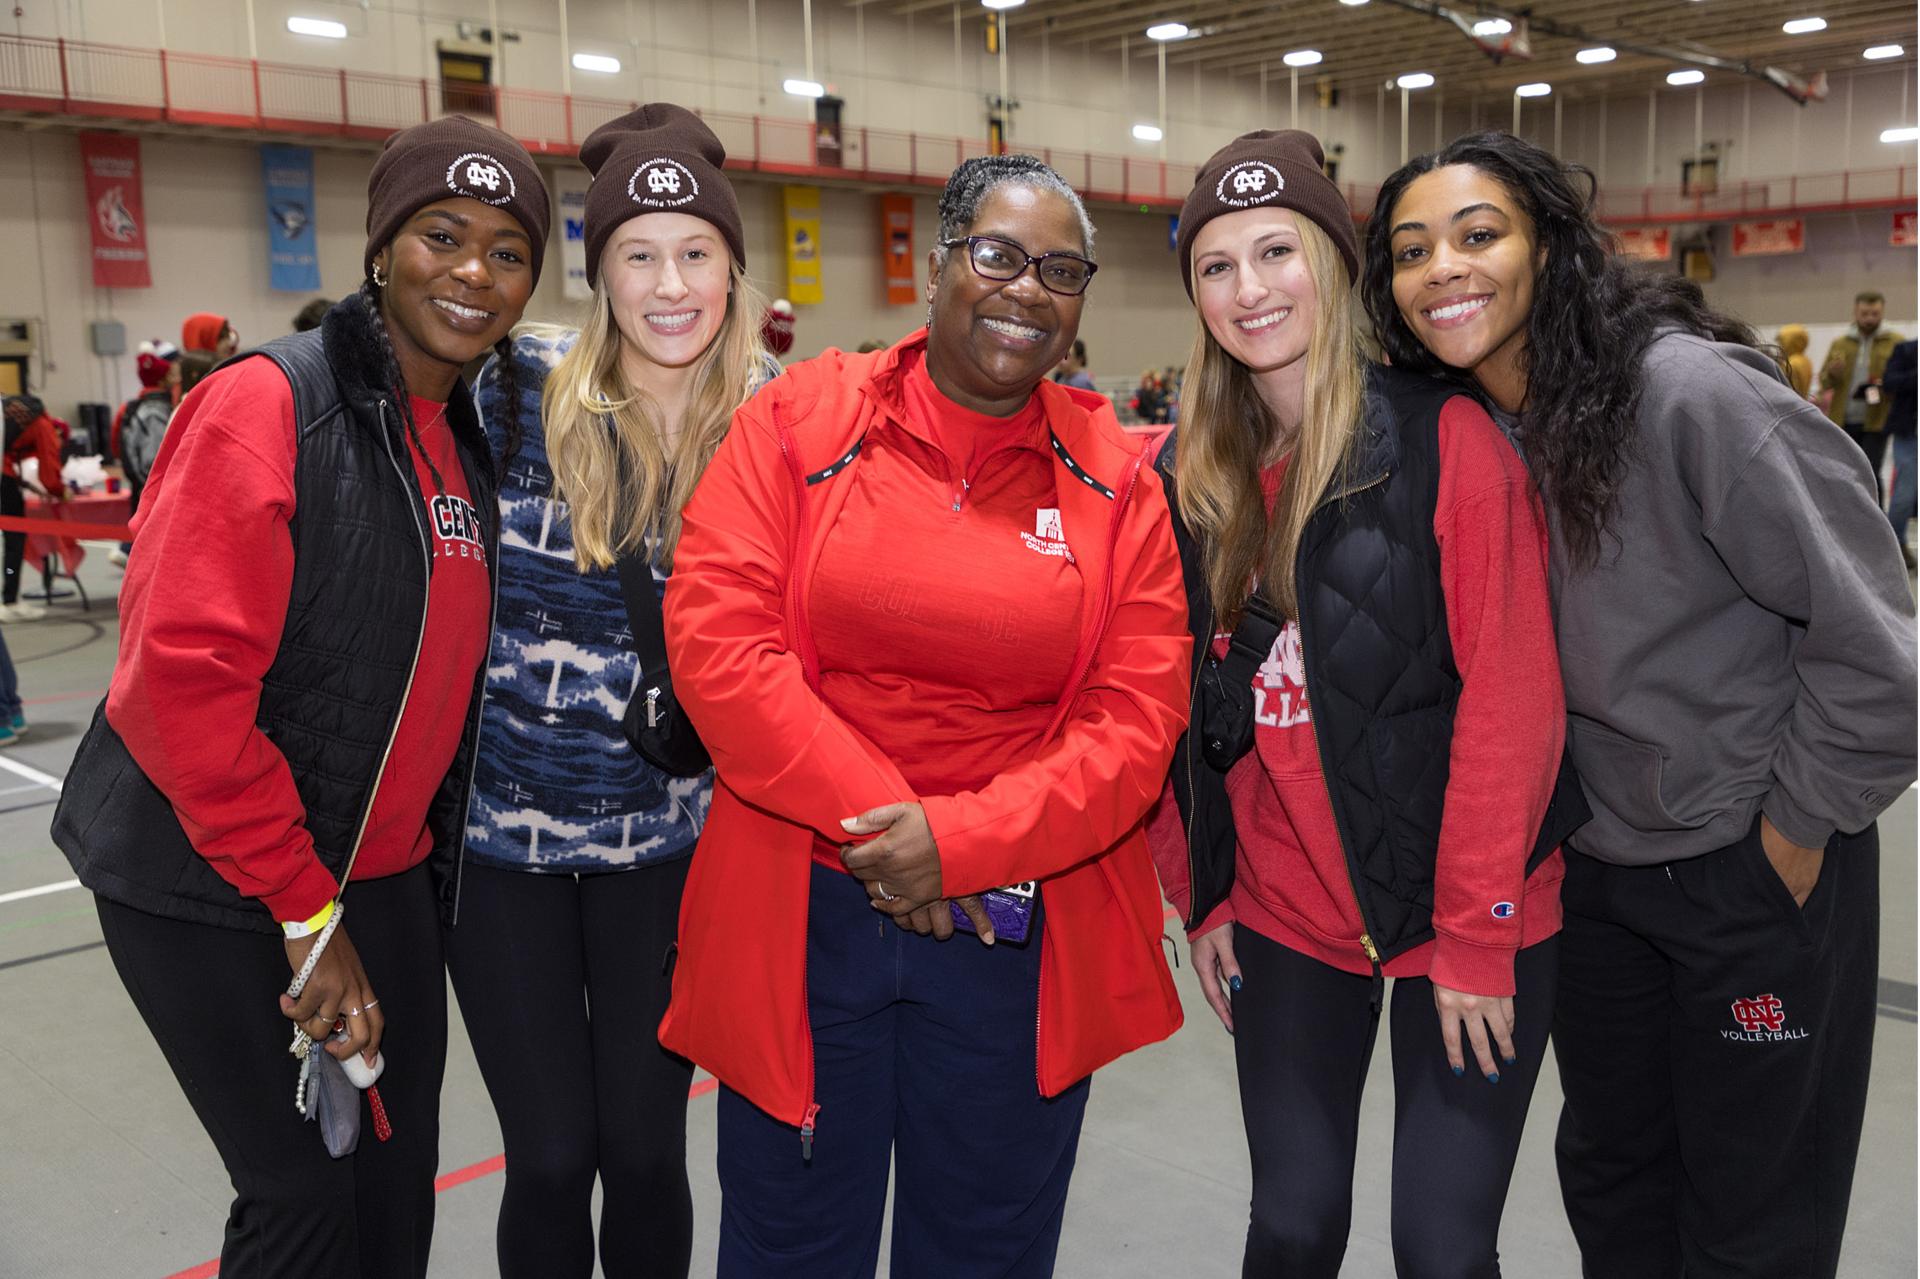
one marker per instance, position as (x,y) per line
(295,929)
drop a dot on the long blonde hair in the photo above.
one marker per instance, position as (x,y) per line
(623,492)
(1226,433)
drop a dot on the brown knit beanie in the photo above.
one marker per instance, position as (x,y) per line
(658,159)
(449,157)
(1268,168)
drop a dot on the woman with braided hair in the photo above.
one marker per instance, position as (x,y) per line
(294,709)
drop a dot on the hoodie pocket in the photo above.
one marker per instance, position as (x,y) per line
(1621,774)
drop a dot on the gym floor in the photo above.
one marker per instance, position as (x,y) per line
(105,1174)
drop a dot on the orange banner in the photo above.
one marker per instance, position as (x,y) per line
(896,247)
(1652,244)
(1761,239)
(1904,235)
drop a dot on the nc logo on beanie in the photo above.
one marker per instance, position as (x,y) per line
(479,176)
(661,183)
(1249,183)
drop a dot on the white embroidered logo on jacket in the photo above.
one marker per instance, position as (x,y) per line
(1048,538)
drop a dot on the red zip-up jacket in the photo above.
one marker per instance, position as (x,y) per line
(39,438)
(789,769)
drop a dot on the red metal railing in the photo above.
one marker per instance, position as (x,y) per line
(68,77)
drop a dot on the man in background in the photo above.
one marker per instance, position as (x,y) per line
(1851,377)
(1073,368)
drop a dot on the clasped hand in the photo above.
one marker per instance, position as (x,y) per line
(900,867)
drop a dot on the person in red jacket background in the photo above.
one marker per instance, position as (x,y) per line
(1393,543)
(928,596)
(30,433)
(214,334)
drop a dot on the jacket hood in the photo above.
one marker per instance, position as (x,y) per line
(201,331)
(1794,338)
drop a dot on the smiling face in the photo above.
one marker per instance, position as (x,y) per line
(1256,295)
(992,341)
(666,277)
(458,277)
(1464,264)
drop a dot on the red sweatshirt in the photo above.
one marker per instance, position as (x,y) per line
(1291,881)
(201,612)
(39,438)
(945,622)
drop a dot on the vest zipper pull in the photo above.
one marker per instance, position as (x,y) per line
(806,1133)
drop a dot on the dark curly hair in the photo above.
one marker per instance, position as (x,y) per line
(1593,318)
(974,180)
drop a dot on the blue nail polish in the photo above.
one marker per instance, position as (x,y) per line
(1493,1076)
(1233,983)
(1459,1071)
(1511,1060)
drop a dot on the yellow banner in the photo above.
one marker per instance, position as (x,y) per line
(803,244)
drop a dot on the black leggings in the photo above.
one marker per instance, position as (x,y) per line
(211,998)
(563,980)
(1303,1033)
(13,501)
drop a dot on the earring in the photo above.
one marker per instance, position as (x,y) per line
(379,280)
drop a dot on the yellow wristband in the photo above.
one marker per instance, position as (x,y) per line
(296,929)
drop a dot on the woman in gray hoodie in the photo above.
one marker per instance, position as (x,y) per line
(1736,635)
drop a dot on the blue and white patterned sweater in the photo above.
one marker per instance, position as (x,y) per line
(556,787)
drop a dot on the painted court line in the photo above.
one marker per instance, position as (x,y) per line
(441,1184)
(20,895)
(31,774)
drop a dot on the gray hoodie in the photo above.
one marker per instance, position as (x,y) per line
(1746,641)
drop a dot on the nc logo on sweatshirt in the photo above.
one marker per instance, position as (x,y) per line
(1248,183)
(661,183)
(1762,1020)
(479,176)
(457,526)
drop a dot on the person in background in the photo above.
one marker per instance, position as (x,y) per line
(1736,637)
(1850,379)
(194,366)
(214,334)
(1319,497)
(30,432)
(577,847)
(310,315)
(1794,360)
(142,425)
(1898,382)
(776,331)
(928,601)
(13,716)
(1149,399)
(1073,368)
(274,786)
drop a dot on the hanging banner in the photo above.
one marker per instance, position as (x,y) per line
(1761,239)
(293,248)
(570,189)
(896,248)
(803,243)
(115,212)
(1649,244)
(1905,234)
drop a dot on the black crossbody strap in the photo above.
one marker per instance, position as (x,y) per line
(643,610)
(1251,643)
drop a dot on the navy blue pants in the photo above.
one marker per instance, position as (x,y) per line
(924,1057)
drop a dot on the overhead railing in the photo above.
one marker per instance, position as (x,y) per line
(77,78)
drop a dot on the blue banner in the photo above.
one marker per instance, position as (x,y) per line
(293,254)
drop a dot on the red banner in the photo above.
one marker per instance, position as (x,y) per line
(115,211)
(1905,234)
(1760,239)
(1652,244)
(896,247)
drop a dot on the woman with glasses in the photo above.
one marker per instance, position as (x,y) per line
(926,613)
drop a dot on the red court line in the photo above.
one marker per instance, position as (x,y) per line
(72,530)
(63,697)
(444,1182)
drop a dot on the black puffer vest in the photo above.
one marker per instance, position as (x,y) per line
(1380,676)
(332,698)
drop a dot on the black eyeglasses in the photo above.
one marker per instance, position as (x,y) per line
(1067,274)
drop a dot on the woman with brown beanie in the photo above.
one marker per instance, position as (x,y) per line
(577,847)
(1371,786)
(289,731)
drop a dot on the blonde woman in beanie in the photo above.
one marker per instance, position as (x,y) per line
(1372,786)
(267,805)
(577,846)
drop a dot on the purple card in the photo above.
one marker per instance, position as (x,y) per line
(1010,909)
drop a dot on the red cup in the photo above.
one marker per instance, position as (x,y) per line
(113,484)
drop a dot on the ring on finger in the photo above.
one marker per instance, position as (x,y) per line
(371,1003)
(353,1012)
(885,896)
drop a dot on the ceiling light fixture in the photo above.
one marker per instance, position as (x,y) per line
(1003,4)
(1680,79)
(1907,134)
(1804,26)
(596,62)
(1415,80)
(1592,56)
(1147,133)
(317,27)
(1538,89)
(1353,4)
(1880,51)
(1167,31)
(1492,27)
(1302,58)
(805,88)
